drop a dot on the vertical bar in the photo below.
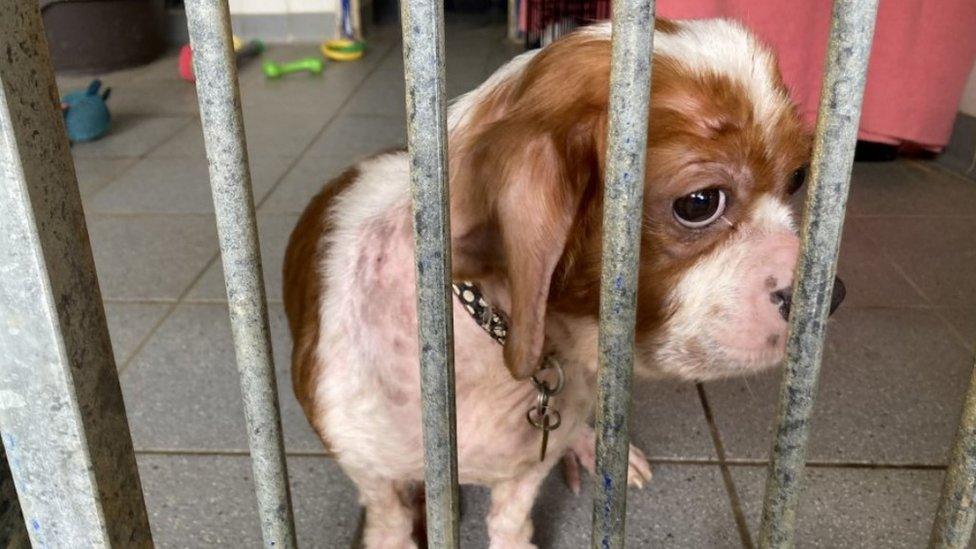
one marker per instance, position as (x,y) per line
(230,182)
(61,411)
(851,32)
(953,524)
(630,85)
(423,63)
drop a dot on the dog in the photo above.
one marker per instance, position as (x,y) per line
(725,151)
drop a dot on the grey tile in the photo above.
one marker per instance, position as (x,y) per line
(316,96)
(393,63)
(129,324)
(131,135)
(160,185)
(208,501)
(183,393)
(355,136)
(936,253)
(267,133)
(870,277)
(303,182)
(70,82)
(502,55)
(890,391)
(464,75)
(171,95)
(381,94)
(889,508)
(668,421)
(273,232)
(153,257)
(94,173)
(963,321)
(908,188)
(683,506)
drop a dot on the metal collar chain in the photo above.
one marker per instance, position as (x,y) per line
(543,415)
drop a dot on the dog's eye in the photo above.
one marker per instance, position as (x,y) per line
(700,208)
(796,180)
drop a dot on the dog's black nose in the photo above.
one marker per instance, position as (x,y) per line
(784,297)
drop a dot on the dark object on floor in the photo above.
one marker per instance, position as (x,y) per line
(86,115)
(91,36)
(869,151)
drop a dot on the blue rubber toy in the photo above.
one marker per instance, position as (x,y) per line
(86,115)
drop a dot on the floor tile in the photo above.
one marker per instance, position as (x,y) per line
(303,182)
(891,508)
(304,94)
(964,322)
(132,135)
(890,392)
(171,95)
(129,324)
(668,421)
(382,94)
(208,501)
(95,173)
(160,185)
(356,136)
(273,233)
(183,392)
(908,188)
(684,506)
(156,257)
(268,133)
(936,253)
(871,279)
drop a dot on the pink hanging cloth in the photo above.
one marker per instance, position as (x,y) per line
(923,52)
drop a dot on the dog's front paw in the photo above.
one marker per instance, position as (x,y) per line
(583,452)
(639,470)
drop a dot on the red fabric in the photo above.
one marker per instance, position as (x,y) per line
(923,52)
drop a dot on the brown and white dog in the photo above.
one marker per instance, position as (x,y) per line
(527,156)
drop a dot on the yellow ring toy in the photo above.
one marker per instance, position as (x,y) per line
(343,49)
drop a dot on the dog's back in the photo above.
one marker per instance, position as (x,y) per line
(302,285)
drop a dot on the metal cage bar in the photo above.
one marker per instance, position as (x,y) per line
(230,182)
(61,411)
(851,32)
(953,526)
(423,65)
(630,77)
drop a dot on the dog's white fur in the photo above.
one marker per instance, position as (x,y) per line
(368,399)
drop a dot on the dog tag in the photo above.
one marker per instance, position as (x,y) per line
(545,437)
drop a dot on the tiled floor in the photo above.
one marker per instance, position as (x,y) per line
(897,358)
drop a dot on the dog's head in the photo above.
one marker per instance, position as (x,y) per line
(725,151)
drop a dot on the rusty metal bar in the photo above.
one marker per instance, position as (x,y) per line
(230,182)
(851,32)
(953,526)
(423,64)
(61,411)
(630,77)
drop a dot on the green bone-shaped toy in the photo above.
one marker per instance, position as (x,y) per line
(277,70)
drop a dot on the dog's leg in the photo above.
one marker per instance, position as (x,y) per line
(584,449)
(509,521)
(390,514)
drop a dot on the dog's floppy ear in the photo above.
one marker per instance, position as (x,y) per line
(520,170)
